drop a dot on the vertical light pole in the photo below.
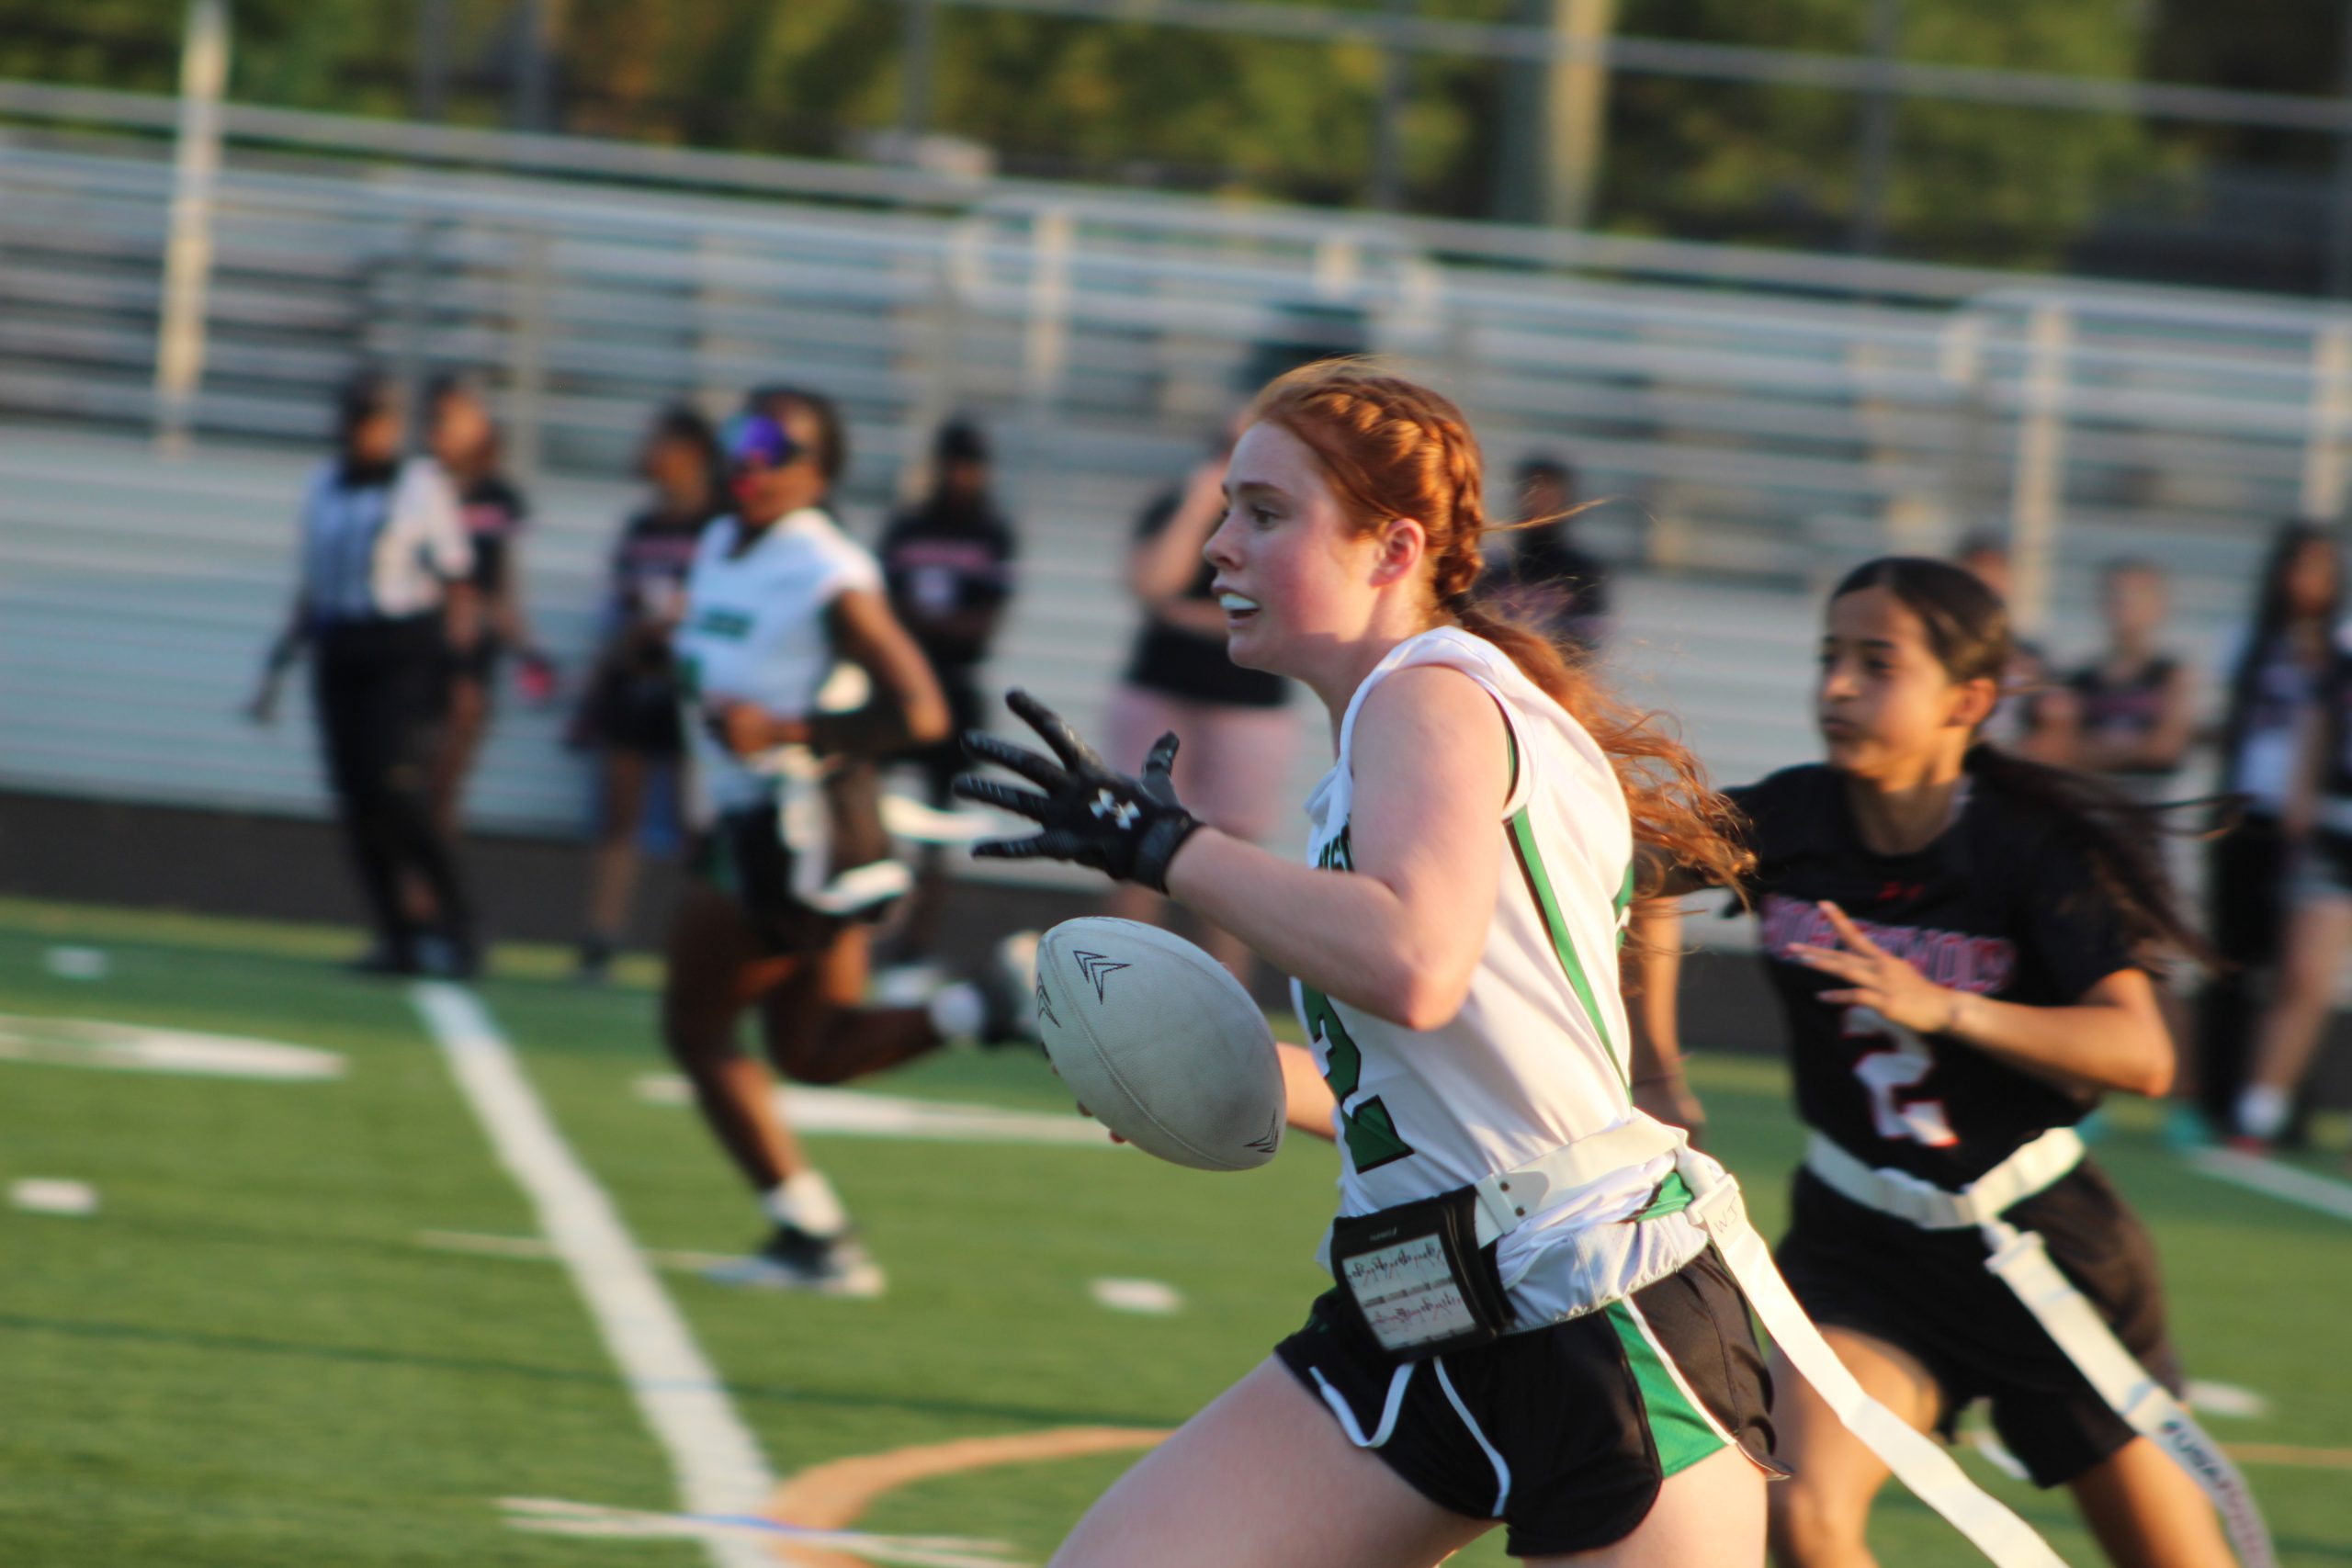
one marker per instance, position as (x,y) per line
(187,253)
(541,25)
(916,40)
(2339,209)
(1554,115)
(1874,157)
(1388,125)
(431,97)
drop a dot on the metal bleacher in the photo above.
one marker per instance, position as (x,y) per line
(1763,421)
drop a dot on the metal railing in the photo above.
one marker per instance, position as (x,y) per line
(1766,419)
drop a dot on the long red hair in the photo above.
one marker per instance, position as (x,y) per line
(1393,448)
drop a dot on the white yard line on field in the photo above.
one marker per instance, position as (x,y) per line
(2282,1181)
(718,1463)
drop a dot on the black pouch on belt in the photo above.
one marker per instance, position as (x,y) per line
(1417,1276)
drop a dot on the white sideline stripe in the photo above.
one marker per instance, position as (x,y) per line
(717,1464)
(2281,1182)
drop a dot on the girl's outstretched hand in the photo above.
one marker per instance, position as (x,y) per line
(1127,828)
(1876,979)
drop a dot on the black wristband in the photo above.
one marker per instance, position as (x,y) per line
(1158,846)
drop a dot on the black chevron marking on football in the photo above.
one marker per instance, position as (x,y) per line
(1097,968)
(1272,1139)
(1045,1003)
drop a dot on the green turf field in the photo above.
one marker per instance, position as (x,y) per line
(247,1357)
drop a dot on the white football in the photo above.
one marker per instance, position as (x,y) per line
(1159,1043)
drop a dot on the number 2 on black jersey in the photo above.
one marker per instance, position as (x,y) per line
(1892,1073)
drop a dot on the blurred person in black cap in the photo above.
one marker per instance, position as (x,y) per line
(387,602)
(948,565)
(1544,576)
(629,715)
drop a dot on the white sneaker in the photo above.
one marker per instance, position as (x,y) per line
(795,1260)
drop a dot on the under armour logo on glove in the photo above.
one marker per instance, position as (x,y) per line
(1128,828)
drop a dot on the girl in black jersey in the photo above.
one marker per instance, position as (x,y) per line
(1956,936)
(2318,937)
(2135,697)
(465,440)
(628,713)
(2268,682)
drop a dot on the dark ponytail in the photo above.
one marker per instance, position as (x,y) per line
(1968,630)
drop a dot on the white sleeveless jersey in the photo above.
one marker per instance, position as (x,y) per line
(753,630)
(1539,1055)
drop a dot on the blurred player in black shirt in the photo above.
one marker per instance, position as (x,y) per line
(2135,699)
(1957,938)
(948,565)
(629,712)
(1544,577)
(2270,683)
(465,441)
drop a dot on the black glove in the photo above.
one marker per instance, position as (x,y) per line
(1127,828)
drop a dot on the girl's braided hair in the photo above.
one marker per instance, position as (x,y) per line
(1392,448)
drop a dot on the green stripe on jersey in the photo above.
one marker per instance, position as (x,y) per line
(1539,883)
(1673,1196)
(1681,1430)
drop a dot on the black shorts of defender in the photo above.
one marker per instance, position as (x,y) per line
(939,763)
(744,856)
(1564,1433)
(1926,1293)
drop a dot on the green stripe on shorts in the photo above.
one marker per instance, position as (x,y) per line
(1681,1430)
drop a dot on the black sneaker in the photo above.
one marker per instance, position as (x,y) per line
(1008,987)
(795,1260)
(443,957)
(595,965)
(386,957)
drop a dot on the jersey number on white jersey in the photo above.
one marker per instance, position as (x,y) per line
(1371,1132)
(1892,1074)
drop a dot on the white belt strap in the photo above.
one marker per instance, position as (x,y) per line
(2020,1261)
(1916,1459)
(1511,1199)
(1923,1204)
(804,820)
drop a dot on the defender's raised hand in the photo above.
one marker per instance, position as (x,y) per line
(1127,828)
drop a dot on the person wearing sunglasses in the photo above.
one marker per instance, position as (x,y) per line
(790,830)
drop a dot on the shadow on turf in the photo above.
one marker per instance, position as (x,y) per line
(362,1355)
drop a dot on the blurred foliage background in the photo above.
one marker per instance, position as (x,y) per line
(1129,103)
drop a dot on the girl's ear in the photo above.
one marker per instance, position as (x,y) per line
(1975,702)
(1403,545)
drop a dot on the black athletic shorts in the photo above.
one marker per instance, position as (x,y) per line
(744,856)
(1927,1293)
(1564,1433)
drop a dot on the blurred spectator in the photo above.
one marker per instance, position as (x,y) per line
(948,563)
(2134,702)
(385,599)
(1544,577)
(2318,926)
(465,440)
(2037,717)
(1239,737)
(2270,683)
(628,714)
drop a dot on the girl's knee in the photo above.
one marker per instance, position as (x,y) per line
(1808,1523)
